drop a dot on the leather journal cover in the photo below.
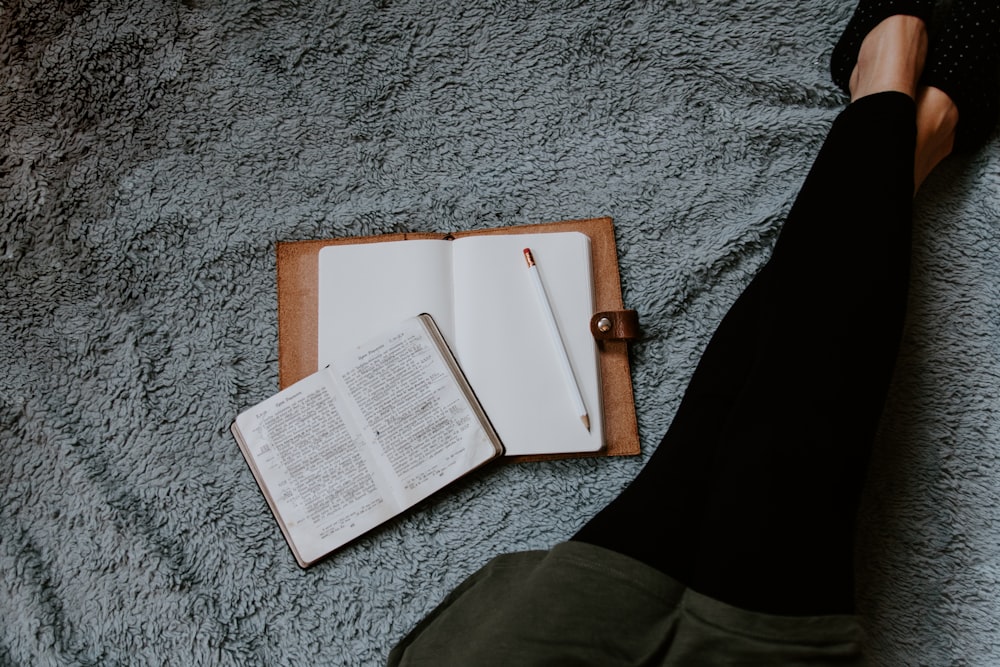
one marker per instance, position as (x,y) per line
(612,325)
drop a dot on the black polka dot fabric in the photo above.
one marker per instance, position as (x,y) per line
(964,61)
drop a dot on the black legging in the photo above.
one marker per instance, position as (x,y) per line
(752,495)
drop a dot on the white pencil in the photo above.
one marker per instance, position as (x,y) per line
(557,341)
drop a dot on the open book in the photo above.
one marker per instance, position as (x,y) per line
(481,294)
(387,423)
(297,264)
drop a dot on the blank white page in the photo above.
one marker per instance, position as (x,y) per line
(366,289)
(506,350)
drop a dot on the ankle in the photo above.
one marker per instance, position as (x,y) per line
(866,17)
(937,120)
(891,57)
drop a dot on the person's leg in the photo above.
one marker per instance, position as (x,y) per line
(750,495)
(754,486)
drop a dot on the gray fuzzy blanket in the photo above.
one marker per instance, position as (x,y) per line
(153,152)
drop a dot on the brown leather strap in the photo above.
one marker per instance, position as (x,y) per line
(615,325)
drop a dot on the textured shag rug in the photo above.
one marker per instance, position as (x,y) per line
(153,152)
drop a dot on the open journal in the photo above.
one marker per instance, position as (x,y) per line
(383,425)
(482,295)
(367,280)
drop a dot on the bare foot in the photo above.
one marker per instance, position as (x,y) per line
(937,117)
(891,57)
